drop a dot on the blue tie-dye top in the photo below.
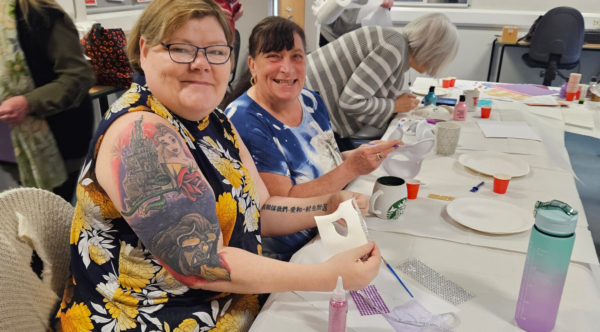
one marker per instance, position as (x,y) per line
(302,153)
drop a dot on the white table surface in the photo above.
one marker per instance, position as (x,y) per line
(490,266)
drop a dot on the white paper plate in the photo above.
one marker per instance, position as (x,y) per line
(489,216)
(424,91)
(490,163)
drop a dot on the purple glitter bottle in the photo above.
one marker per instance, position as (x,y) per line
(563,90)
(338,308)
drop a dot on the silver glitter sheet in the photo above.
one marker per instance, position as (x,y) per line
(436,282)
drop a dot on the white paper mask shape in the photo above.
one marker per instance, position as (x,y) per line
(357,228)
(413,154)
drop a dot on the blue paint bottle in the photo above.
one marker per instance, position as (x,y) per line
(431,98)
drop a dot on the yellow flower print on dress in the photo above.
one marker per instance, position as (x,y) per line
(86,213)
(127,99)
(204,123)
(225,167)
(252,217)
(188,325)
(231,138)
(121,305)
(99,197)
(259,249)
(76,319)
(89,228)
(246,302)
(123,308)
(166,282)
(98,254)
(250,186)
(159,109)
(227,214)
(236,321)
(135,271)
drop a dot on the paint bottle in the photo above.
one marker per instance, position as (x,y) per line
(546,265)
(430,98)
(563,90)
(338,308)
(460,110)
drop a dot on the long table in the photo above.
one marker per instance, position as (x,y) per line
(489,266)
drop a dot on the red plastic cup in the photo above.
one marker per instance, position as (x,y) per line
(485,112)
(446,82)
(571,96)
(452,81)
(501,183)
(412,186)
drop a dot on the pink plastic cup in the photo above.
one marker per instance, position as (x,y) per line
(501,183)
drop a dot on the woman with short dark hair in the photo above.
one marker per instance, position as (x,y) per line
(287,130)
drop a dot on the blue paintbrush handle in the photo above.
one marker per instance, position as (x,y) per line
(403,285)
(366,143)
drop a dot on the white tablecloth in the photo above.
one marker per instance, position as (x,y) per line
(490,266)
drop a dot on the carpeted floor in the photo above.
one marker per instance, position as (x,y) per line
(584,152)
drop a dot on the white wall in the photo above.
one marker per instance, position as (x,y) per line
(68,6)
(478,25)
(254,12)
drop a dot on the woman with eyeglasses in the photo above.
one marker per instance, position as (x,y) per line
(157,247)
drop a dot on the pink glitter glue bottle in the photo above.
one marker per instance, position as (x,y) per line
(338,308)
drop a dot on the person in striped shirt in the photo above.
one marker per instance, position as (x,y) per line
(360,75)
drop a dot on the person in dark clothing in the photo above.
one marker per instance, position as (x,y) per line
(60,79)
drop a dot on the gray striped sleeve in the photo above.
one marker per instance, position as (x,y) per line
(358,100)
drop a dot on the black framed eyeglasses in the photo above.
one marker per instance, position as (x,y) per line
(187,53)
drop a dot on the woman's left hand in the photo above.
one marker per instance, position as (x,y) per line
(13,110)
(387,4)
(341,196)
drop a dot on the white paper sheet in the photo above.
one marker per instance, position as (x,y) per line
(550,112)
(543,100)
(501,129)
(579,117)
(379,17)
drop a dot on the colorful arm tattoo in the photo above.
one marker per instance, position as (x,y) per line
(168,203)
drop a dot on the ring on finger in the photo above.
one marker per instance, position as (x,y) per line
(378,156)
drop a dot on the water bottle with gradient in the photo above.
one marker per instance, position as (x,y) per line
(546,265)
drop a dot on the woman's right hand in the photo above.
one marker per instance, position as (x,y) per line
(405,103)
(365,160)
(356,274)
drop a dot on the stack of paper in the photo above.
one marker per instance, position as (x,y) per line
(501,129)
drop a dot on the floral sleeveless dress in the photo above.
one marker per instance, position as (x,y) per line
(117,284)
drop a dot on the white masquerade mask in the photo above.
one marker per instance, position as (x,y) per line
(356,226)
(412,154)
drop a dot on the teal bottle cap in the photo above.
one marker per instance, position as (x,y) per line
(555,217)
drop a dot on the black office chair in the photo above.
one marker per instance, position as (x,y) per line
(556,43)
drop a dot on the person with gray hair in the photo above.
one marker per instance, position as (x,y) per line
(360,75)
